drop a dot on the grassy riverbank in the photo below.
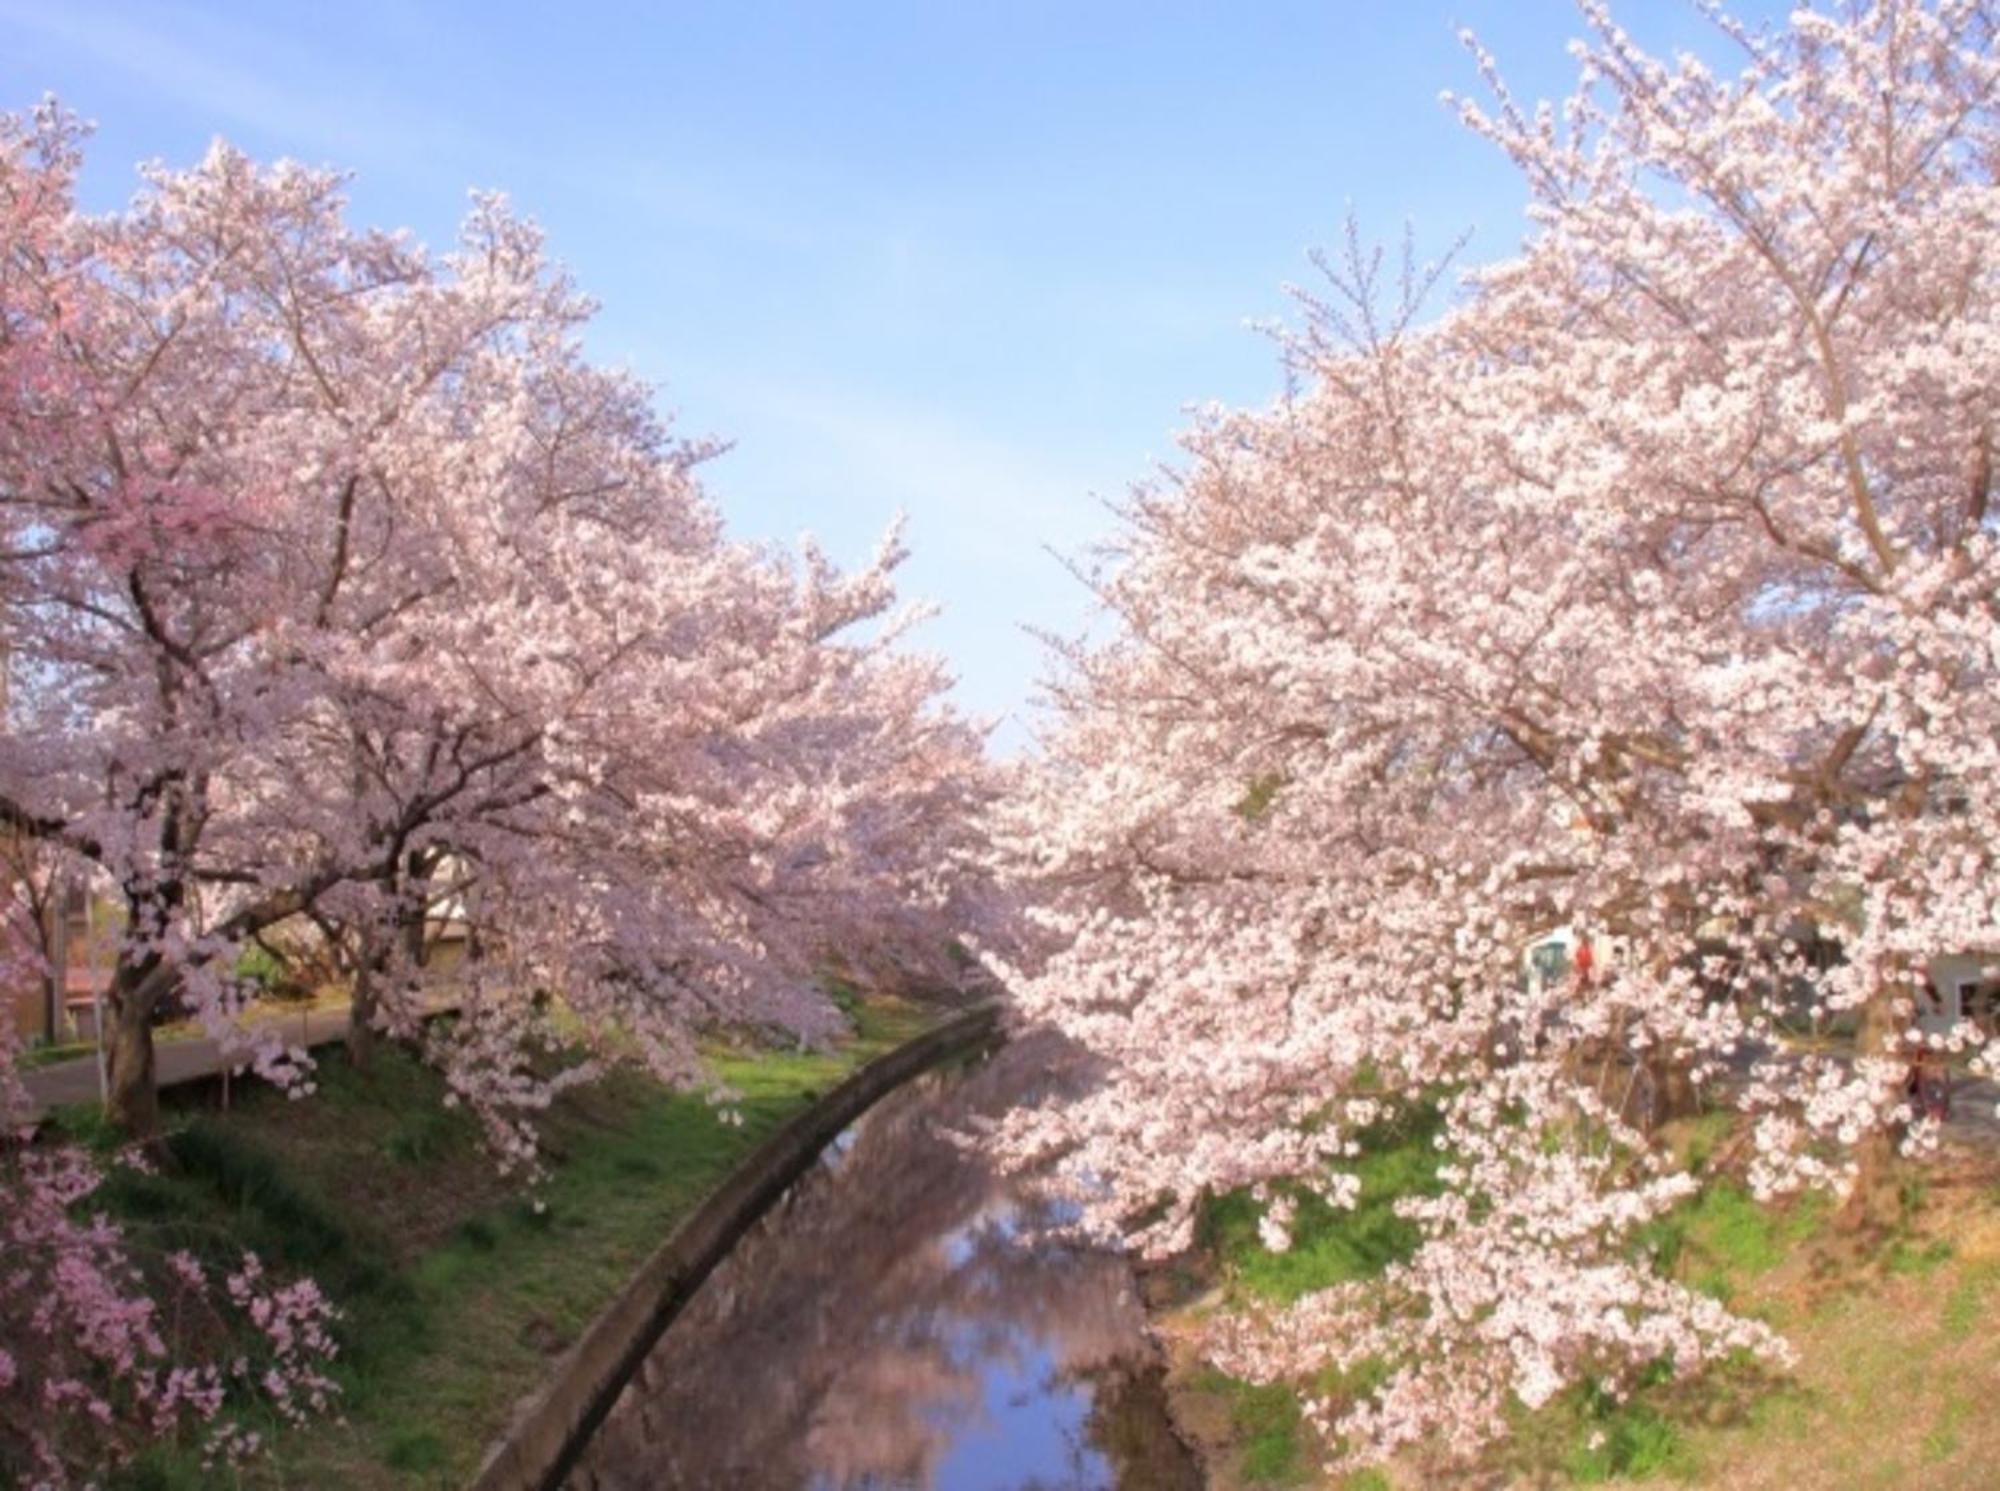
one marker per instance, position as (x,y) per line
(457,1292)
(1898,1342)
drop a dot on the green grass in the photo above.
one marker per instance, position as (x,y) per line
(1332,1245)
(1721,1241)
(1722,1238)
(1266,1428)
(1590,1435)
(1705,1135)
(1893,1333)
(422,1135)
(1906,1256)
(1629,1440)
(1965,1306)
(49,1055)
(457,1290)
(1941,1440)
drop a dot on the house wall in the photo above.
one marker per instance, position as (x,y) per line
(1960,980)
(25,1012)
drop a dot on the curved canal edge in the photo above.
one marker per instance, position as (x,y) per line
(550,1429)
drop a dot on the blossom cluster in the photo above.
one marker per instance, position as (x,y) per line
(103,1349)
(1638,594)
(348,599)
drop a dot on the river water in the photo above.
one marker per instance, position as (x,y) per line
(899,1322)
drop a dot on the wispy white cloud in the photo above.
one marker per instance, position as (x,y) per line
(258,79)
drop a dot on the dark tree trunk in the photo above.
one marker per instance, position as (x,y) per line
(398,950)
(361,1034)
(56,976)
(1675,1095)
(362,1038)
(52,1008)
(132,1101)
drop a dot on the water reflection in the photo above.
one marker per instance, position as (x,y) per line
(899,1321)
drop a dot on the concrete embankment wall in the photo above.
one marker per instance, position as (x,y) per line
(551,1428)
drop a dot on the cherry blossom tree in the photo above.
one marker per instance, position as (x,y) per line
(173,533)
(340,581)
(734,819)
(1647,591)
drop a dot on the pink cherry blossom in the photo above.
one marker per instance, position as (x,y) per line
(346,589)
(102,1353)
(1642,592)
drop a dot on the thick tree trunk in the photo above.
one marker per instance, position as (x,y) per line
(142,980)
(401,952)
(371,965)
(1675,1095)
(132,1100)
(361,1035)
(1873,1205)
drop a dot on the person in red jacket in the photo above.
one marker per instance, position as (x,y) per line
(1583,961)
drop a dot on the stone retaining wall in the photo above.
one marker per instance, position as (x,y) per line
(551,1428)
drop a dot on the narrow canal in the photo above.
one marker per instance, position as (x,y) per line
(900,1323)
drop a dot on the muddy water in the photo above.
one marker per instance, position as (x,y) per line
(899,1321)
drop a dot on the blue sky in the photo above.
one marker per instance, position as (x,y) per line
(968,261)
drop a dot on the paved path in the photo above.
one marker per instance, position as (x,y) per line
(64,1082)
(1975,1111)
